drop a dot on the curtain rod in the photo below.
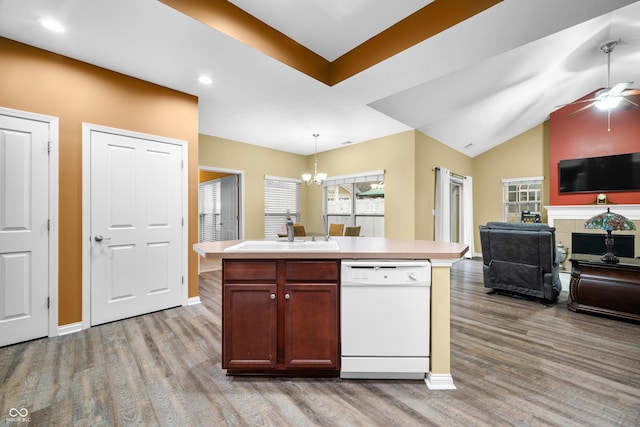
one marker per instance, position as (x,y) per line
(453,174)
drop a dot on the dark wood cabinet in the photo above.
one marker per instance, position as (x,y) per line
(249,326)
(311,326)
(608,289)
(280,316)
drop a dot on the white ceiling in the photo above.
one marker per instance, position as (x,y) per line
(481,82)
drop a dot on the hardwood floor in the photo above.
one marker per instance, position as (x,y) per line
(514,362)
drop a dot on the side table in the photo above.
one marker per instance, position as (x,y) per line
(607,289)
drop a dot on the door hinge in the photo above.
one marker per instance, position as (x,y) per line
(182,280)
(48,225)
(48,302)
(181,164)
(49,147)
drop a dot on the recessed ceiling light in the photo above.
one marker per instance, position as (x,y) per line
(205,80)
(52,25)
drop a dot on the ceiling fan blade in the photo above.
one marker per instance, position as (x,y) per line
(628,101)
(579,110)
(631,92)
(618,89)
(577,102)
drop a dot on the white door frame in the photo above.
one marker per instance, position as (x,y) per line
(87,128)
(53,208)
(241,214)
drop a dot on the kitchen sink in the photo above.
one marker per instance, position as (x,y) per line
(285,246)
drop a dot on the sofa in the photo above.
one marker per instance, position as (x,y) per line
(521,259)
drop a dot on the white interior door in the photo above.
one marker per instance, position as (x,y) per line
(229,207)
(24,237)
(136,225)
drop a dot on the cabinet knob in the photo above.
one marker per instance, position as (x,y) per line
(287,296)
(273,296)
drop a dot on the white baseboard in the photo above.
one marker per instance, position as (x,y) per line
(69,328)
(439,381)
(194,300)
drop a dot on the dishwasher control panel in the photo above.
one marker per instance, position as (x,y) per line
(386,272)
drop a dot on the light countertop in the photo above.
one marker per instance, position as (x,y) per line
(350,247)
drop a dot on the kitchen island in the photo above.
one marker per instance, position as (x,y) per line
(441,256)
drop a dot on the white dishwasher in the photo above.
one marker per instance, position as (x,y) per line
(384,315)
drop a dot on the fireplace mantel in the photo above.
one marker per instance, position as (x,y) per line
(585,212)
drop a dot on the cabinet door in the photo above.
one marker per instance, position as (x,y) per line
(311,326)
(249,326)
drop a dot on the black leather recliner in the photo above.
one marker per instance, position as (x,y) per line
(521,258)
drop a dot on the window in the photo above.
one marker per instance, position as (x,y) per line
(522,194)
(281,200)
(209,211)
(356,200)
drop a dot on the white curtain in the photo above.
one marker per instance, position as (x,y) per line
(467,215)
(443,205)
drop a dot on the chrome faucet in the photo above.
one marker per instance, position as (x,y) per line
(289,230)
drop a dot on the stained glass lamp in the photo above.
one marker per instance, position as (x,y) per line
(609,221)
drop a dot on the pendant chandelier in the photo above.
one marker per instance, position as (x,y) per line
(318,178)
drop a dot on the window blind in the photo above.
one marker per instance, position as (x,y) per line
(372,176)
(209,214)
(281,200)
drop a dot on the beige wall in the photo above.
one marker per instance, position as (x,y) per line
(395,155)
(431,154)
(523,156)
(408,159)
(45,83)
(255,162)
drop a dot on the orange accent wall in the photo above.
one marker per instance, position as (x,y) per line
(209,175)
(38,81)
(585,134)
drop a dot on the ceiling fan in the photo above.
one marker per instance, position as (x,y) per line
(609,97)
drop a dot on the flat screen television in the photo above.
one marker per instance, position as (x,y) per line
(620,172)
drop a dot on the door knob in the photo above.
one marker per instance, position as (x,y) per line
(273,296)
(100,238)
(287,296)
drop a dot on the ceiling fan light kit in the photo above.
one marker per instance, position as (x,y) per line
(608,103)
(609,98)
